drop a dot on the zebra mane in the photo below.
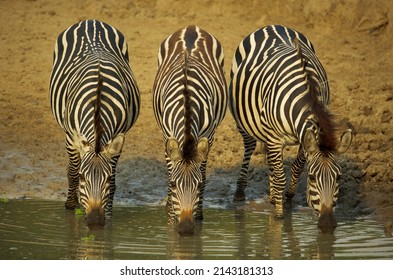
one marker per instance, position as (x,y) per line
(189,140)
(325,120)
(98,130)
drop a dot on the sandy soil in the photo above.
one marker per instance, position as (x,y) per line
(353,40)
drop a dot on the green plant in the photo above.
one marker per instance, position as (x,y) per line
(79,212)
(88,238)
(4,200)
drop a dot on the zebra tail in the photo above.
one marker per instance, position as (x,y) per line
(97,115)
(189,141)
(298,47)
(326,120)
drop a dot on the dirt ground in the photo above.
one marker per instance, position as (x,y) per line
(353,39)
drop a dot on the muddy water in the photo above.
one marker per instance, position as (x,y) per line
(32,229)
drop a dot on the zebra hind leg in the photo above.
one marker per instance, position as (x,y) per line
(296,170)
(249,147)
(73,179)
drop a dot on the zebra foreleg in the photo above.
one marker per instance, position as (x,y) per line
(169,202)
(249,146)
(296,170)
(169,208)
(277,178)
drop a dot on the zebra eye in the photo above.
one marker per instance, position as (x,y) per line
(82,177)
(311,178)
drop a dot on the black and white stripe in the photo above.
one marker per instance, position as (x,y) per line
(279,95)
(95,100)
(190,99)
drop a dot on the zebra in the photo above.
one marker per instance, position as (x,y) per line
(95,99)
(189,102)
(279,95)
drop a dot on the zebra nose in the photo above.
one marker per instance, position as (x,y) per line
(186,223)
(326,221)
(95,217)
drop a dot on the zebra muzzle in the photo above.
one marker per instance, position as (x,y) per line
(95,217)
(186,224)
(326,221)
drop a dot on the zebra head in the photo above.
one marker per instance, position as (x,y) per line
(186,180)
(96,180)
(323,173)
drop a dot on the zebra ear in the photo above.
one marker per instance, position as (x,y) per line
(172,149)
(84,146)
(114,147)
(345,141)
(203,149)
(310,143)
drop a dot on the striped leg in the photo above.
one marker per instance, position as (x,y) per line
(199,214)
(296,170)
(277,177)
(249,146)
(73,176)
(109,205)
(169,203)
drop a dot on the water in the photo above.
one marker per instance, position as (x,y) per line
(44,230)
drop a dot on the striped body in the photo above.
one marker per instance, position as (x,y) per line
(279,95)
(95,100)
(189,101)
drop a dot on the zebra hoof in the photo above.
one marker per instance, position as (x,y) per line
(239,196)
(278,216)
(288,204)
(278,211)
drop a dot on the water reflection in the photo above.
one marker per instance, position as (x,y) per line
(325,242)
(45,230)
(85,243)
(184,247)
(280,238)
